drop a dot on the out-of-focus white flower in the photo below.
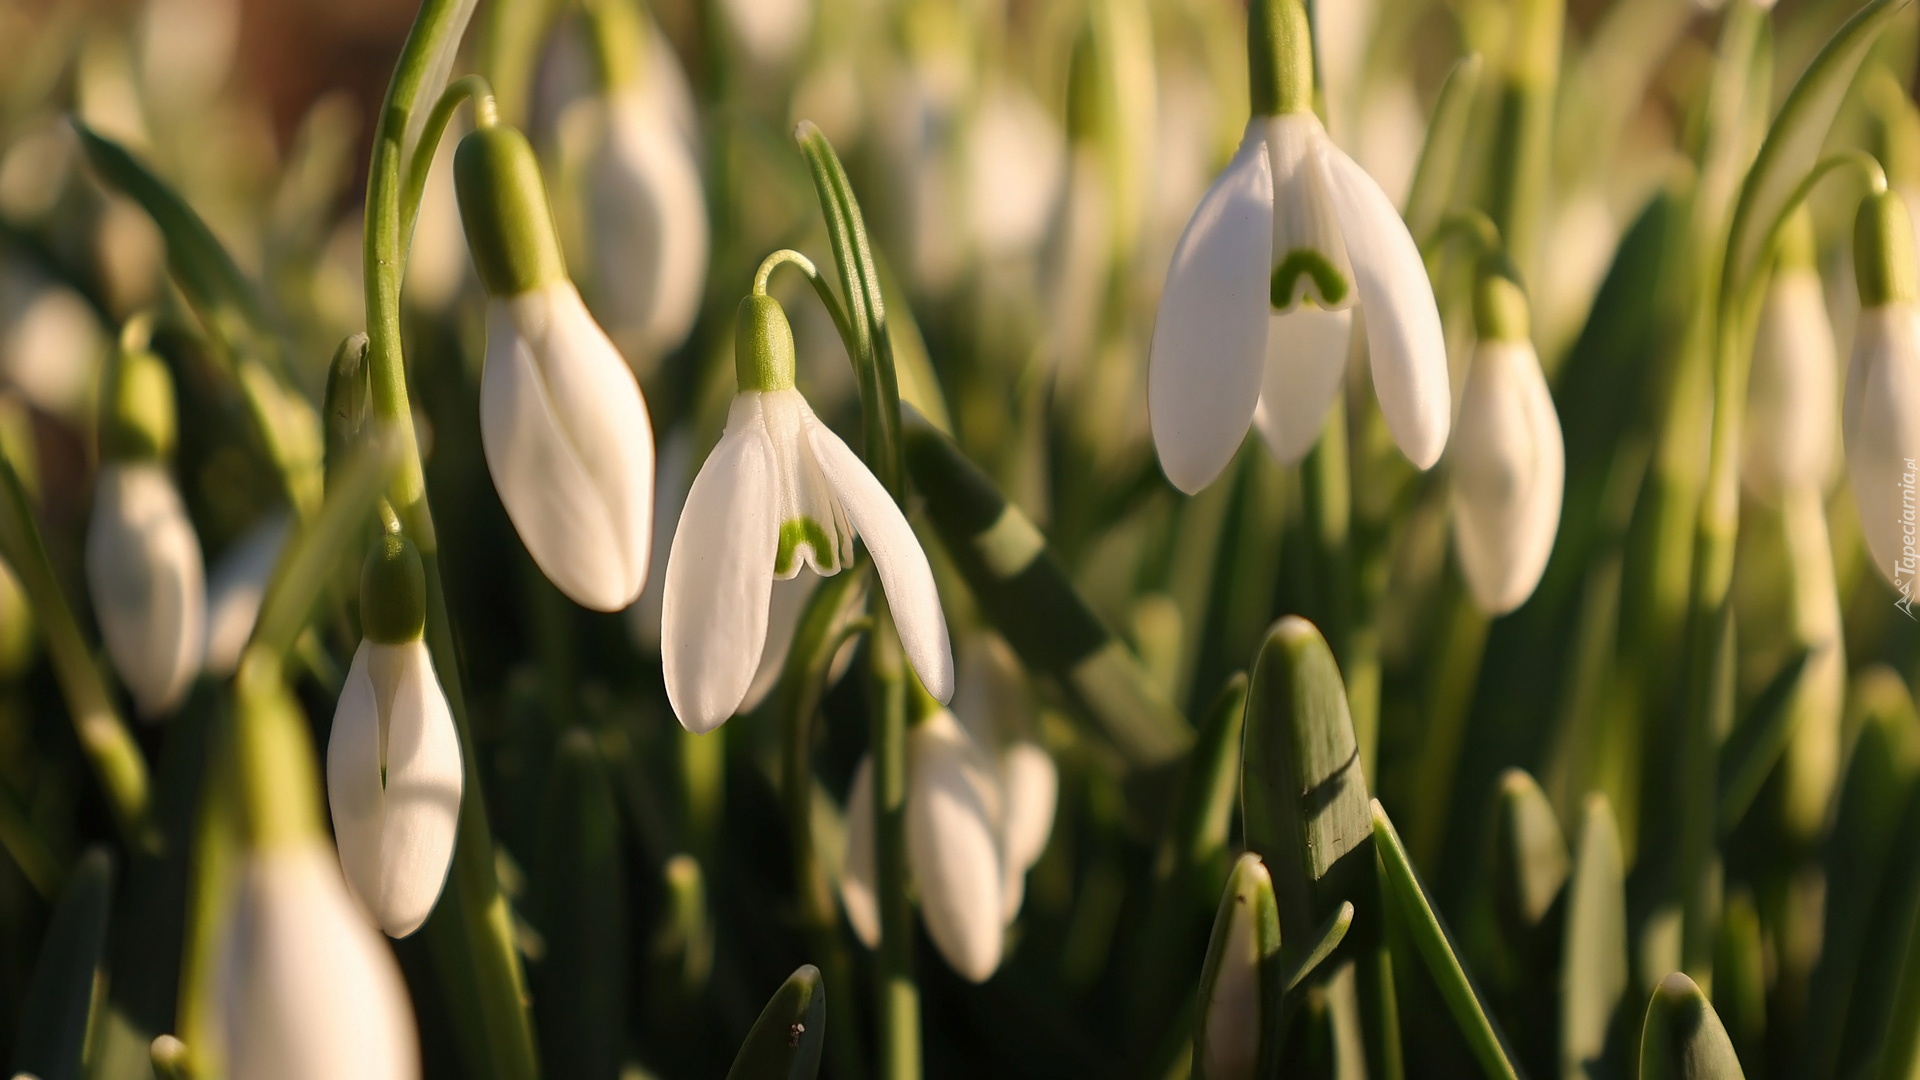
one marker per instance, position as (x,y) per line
(1792,411)
(310,992)
(1016,155)
(770,31)
(995,706)
(1258,304)
(394,773)
(779,492)
(437,259)
(1882,409)
(148,584)
(235,588)
(50,343)
(954,847)
(1508,461)
(187,49)
(649,227)
(565,430)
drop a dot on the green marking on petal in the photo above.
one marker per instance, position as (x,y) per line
(1329,283)
(803,530)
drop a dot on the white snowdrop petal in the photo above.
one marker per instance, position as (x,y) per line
(424,780)
(1306,357)
(308,990)
(147,582)
(713,611)
(1409,353)
(569,445)
(789,602)
(953,845)
(1791,406)
(356,798)
(1030,785)
(1307,239)
(1204,368)
(1882,424)
(1508,470)
(649,227)
(857,893)
(898,558)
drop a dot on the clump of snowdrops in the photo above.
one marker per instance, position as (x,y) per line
(1129,538)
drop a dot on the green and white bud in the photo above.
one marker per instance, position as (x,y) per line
(1236,989)
(565,429)
(144,565)
(394,771)
(1881,412)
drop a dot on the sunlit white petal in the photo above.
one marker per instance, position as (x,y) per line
(1508,468)
(1210,335)
(1309,258)
(649,228)
(1030,785)
(953,845)
(1306,357)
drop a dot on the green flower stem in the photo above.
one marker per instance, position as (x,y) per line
(470,934)
(103,733)
(1523,141)
(486,114)
(897,994)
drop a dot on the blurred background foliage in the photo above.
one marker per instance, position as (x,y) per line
(1026,167)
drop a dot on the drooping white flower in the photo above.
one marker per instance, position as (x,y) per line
(955,847)
(994,704)
(1792,388)
(309,991)
(1258,302)
(144,567)
(394,773)
(770,31)
(781,491)
(565,430)
(649,227)
(1508,460)
(145,573)
(1882,407)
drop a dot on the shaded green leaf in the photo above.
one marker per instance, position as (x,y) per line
(70,976)
(1682,1038)
(580,902)
(1750,752)
(1594,964)
(785,1041)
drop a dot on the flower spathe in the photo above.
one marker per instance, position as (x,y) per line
(394,781)
(145,574)
(308,990)
(1257,309)
(781,491)
(567,438)
(1881,415)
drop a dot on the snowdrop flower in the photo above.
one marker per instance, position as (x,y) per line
(50,341)
(1791,391)
(954,847)
(1882,408)
(648,208)
(393,760)
(562,422)
(1246,933)
(306,990)
(779,493)
(144,568)
(1508,461)
(995,706)
(1258,306)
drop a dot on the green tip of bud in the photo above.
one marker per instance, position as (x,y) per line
(1500,311)
(1084,97)
(1883,257)
(503,205)
(393,592)
(1279,58)
(762,345)
(137,419)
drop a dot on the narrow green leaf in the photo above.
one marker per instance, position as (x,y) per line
(1430,939)
(580,902)
(69,977)
(1530,861)
(1238,1015)
(1900,1055)
(1439,168)
(1593,975)
(1028,598)
(1755,746)
(1303,800)
(1739,975)
(1793,143)
(1682,1038)
(1332,933)
(785,1041)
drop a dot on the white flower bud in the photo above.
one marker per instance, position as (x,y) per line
(309,992)
(954,846)
(1508,469)
(394,779)
(145,574)
(649,227)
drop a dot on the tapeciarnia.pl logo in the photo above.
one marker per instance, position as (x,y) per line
(1903,568)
